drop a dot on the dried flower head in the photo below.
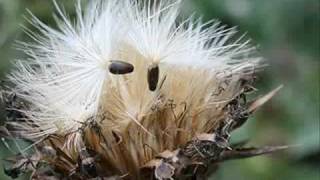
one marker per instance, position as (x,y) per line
(125,91)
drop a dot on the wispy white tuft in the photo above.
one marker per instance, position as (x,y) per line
(66,73)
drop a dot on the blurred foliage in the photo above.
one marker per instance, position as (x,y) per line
(288,35)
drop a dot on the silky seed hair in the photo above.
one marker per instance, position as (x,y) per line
(127,80)
(66,78)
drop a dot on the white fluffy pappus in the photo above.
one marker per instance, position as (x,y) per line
(65,80)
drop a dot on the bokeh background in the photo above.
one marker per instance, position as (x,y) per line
(288,35)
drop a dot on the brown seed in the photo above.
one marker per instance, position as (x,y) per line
(153,77)
(120,67)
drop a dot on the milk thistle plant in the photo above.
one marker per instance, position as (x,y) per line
(126,91)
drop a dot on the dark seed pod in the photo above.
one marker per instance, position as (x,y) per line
(153,77)
(120,67)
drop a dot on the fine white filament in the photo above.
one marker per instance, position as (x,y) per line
(65,79)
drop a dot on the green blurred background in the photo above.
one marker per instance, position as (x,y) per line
(287,32)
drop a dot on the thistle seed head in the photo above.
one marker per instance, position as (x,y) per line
(177,94)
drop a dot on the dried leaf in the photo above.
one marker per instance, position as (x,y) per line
(260,101)
(205,137)
(152,164)
(249,152)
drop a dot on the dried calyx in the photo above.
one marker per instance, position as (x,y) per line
(51,158)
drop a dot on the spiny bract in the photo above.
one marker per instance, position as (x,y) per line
(126,87)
